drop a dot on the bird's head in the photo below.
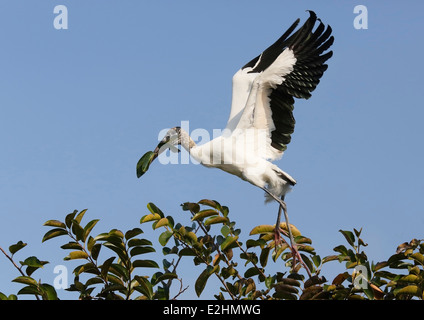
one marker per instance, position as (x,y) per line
(171,140)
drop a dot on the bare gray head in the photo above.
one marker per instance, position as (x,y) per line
(171,139)
(174,137)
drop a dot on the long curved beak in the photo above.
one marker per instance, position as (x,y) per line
(158,150)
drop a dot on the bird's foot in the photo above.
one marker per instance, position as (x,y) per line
(297,257)
(278,239)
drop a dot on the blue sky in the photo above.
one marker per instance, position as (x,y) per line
(78,107)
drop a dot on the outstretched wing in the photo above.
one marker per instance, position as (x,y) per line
(265,88)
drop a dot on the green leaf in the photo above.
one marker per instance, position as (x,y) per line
(251,272)
(329,258)
(282,287)
(119,270)
(118,248)
(166,276)
(141,250)
(89,227)
(69,218)
(150,217)
(113,236)
(255,243)
(341,249)
(225,211)
(144,162)
(90,243)
(187,252)
(210,203)
(296,233)
(164,237)
(26,280)
(48,292)
(117,283)
(190,206)
(72,245)
(145,287)
(116,233)
(29,290)
(79,216)
(166,264)
(307,261)
(145,264)
(316,260)
(215,220)
(380,265)
(410,278)
(191,237)
(203,278)
(203,214)
(263,258)
(54,233)
(87,267)
(411,290)
(54,223)
(173,250)
(104,269)
(133,233)
(262,229)
(357,233)
(33,262)
(10,297)
(279,250)
(249,256)
(314,280)
(139,242)
(225,230)
(418,257)
(161,223)
(302,239)
(77,230)
(228,242)
(350,238)
(16,247)
(153,209)
(76,255)
(309,249)
(95,250)
(340,278)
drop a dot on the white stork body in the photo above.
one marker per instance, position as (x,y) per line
(261,119)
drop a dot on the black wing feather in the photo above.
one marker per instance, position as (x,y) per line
(308,47)
(272,53)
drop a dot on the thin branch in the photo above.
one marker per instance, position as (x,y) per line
(13,262)
(19,269)
(207,263)
(217,247)
(181,289)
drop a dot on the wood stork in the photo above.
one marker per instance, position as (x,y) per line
(261,119)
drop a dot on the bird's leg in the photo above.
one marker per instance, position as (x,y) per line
(293,246)
(284,207)
(278,227)
(277,236)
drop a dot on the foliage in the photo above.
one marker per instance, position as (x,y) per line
(212,241)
